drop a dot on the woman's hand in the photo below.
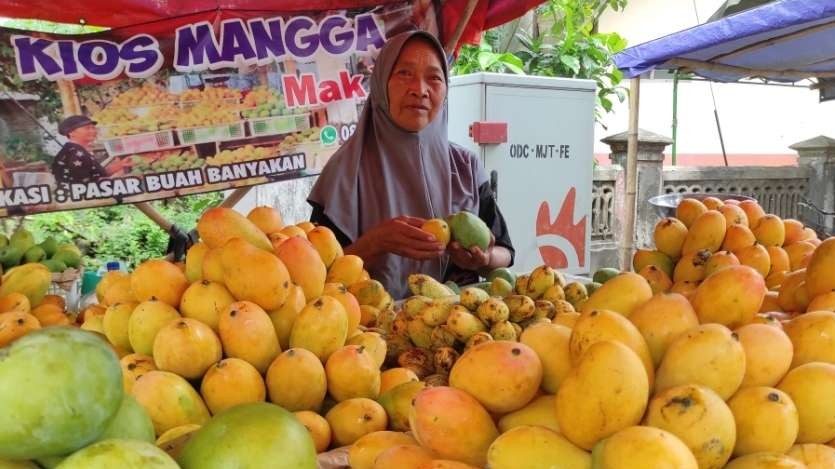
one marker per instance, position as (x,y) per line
(470,259)
(402,236)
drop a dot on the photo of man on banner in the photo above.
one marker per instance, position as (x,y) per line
(75,162)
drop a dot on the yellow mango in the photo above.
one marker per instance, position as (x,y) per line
(622,294)
(691,268)
(734,215)
(284,317)
(15,301)
(146,320)
(186,347)
(766,460)
(766,420)
(374,343)
(403,457)
(231,382)
(541,411)
(354,418)
(247,333)
(364,451)
(753,211)
(599,325)
(823,302)
(205,301)
(16,324)
(699,418)
(793,295)
(551,344)
(644,447)
(32,280)
(606,392)
(709,355)
(169,400)
(669,235)
(796,252)
(134,366)
(116,324)
(326,244)
(218,225)
(305,266)
(706,232)
(255,275)
(538,447)
(347,300)
(267,219)
(770,230)
(213,265)
(768,354)
(756,257)
(502,375)
(395,376)
(296,381)
(730,296)
(319,428)
(345,270)
(194,261)
(820,277)
(646,257)
(688,210)
(160,279)
(661,320)
(814,456)
(352,372)
(738,237)
(541,279)
(321,327)
(452,424)
(811,335)
(811,387)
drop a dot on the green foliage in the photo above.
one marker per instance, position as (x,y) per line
(24,147)
(120,231)
(564,43)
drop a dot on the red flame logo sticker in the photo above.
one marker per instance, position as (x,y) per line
(561,243)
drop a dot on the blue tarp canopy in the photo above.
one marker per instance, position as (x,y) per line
(787,40)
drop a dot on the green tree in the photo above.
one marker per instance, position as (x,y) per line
(561,41)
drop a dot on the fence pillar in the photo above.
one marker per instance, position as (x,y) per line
(818,156)
(650,178)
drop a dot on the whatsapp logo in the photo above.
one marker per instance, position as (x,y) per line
(328,135)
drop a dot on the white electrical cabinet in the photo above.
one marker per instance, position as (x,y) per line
(544,171)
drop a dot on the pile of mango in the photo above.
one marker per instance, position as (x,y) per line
(21,248)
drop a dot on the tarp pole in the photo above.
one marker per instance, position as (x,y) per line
(449,48)
(235,197)
(630,204)
(154,215)
(675,117)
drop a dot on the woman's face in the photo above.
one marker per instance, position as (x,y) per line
(417,86)
(84,135)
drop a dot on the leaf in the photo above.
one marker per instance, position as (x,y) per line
(573,63)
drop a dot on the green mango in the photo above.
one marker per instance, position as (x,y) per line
(125,454)
(591,287)
(398,402)
(10,256)
(49,246)
(603,275)
(453,286)
(54,265)
(68,257)
(250,435)
(34,254)
(469,230)
(6,464)
(502,272)
(67,400)
(69,247)
(131,422)
(22,239)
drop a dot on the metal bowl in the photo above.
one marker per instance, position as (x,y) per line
(665,205)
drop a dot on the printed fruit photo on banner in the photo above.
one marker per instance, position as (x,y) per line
(176,106)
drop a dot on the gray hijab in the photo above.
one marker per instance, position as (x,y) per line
(383,172)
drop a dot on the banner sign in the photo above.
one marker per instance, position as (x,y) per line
(193,105)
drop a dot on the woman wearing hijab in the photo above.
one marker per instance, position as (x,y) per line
(399,170)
